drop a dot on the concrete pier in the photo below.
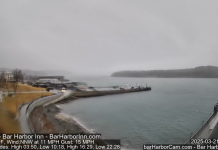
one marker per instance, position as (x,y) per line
(210,128)
(102,93)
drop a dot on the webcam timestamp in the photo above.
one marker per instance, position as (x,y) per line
(180,146)
(204,141)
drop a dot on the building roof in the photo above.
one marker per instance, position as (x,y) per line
(48,79)
(6,72)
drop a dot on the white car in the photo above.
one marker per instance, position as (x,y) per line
(63,90)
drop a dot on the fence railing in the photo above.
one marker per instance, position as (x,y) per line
(195,136)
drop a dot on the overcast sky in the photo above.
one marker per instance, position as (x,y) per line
(100,37)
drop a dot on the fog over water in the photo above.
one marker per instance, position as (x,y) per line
(99,37)
(167,114)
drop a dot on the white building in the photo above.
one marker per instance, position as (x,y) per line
(9,76)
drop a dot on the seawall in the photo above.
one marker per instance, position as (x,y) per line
(45,117)
(102,93)
(49,119)
(86,94)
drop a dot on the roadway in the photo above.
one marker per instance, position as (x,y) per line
(23,111)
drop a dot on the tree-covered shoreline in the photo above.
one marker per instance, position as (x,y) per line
(197,72)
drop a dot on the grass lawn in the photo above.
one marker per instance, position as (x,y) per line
(8,123)
(24,88)
(10,105)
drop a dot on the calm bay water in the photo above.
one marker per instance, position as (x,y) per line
(167,114)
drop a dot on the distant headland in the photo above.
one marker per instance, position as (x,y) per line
(197,72)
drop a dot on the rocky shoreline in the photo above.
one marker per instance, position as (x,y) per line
(50,120)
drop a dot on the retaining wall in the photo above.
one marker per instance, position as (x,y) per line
(37,103)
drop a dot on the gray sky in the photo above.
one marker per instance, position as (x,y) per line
(100,37)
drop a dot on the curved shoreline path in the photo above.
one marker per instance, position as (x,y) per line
(23,122)
(25,127)
(65,95)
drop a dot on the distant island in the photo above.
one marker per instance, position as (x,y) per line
(197,72)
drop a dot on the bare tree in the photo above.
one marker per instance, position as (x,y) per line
(18,77)
(3,80)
